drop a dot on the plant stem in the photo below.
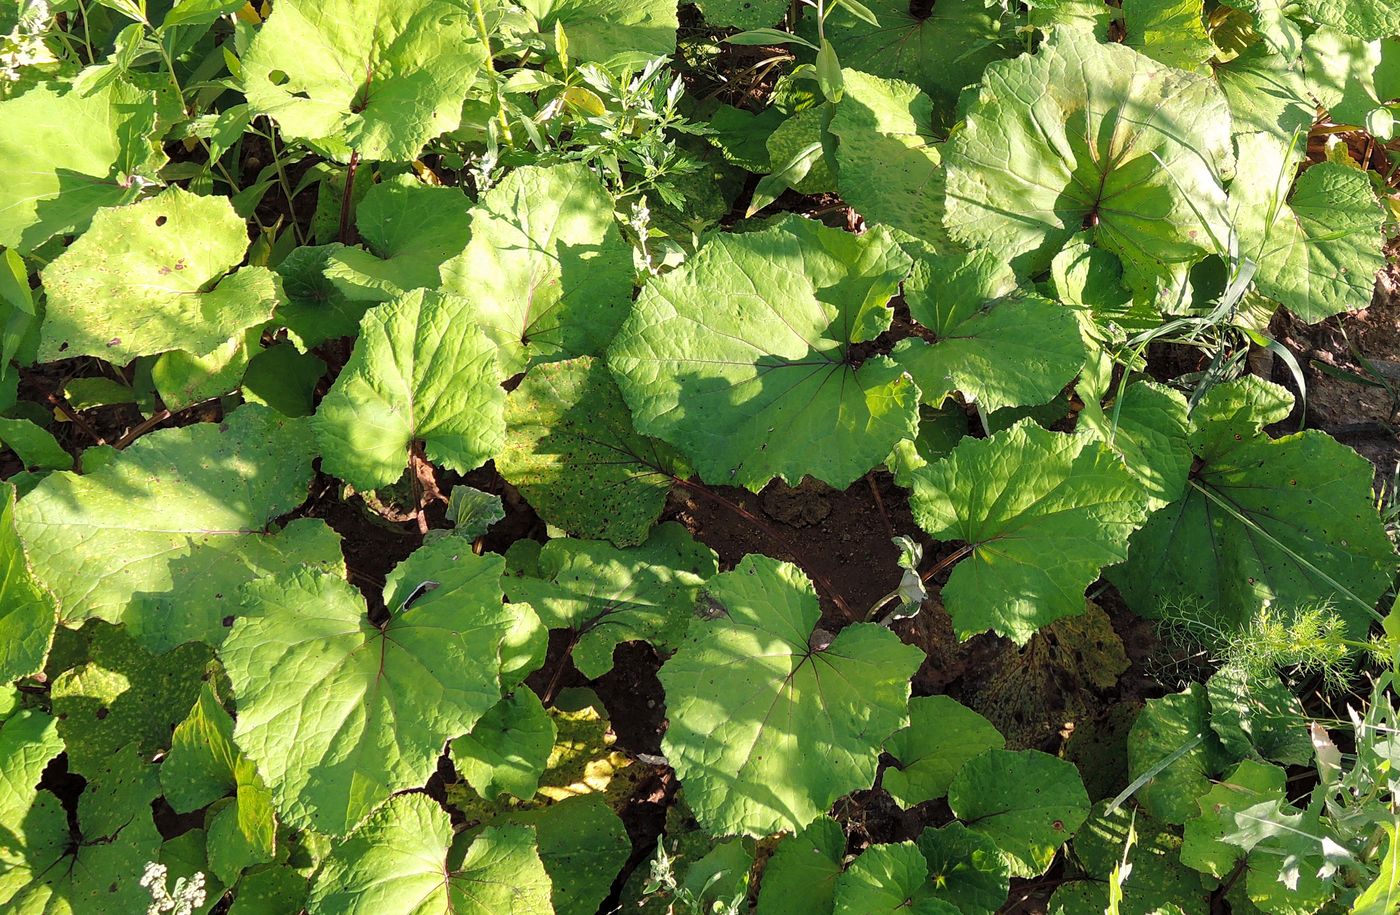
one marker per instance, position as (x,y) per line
(75,418)
(141,429)
(347,197)
(484,35)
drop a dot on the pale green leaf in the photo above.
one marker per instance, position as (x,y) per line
(1146,426)
(742,357)
(888,167)
(409,229)
(546,270)
(941,48)
(421,372)
(1084,135)
(151,277)
(1362,18)
(740,743)
(1255,715)
(27,610)
(800,878)
(583,846)
(998,345)
(68,155)
(402,862)
(600,31)
(381,81)
(1172,32)
(369,707)
(162,535)
(1172,736)
(507,748)
(605,595)
(1288,522)
(1042,513)
(1212,816)
(966,868)
(120,695)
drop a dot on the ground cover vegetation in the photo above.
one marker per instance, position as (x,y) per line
(573,456)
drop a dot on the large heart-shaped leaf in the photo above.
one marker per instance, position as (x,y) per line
(409,229)
(941,737)
(371,705)
(801,876)
(740,741)
(743,357)
(67,155)
(940,47)
(1084,135)
(421,372)
(134,283)
(403,861)
(1318,249)
(546,270)
(381,81)
(163,534)
(1362,18)
(999,345)
(888,166)
(572,452)
(1041,513)
(583,846)
(1028,802)
(1288,522)
(606,596)
(889,880)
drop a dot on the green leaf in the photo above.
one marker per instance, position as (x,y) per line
(63,870)
(1028,802)
(183,379)
(942,735)
(1172,735)
(1172,32)
(410,229)
(1382,896)
(744,14)
(1156,876)
(1146,427)
(472,512)
(382,82)
(738,742)
(583,846)
(68,155)
(134,283)
(800,877)
(611,31)
(546,270)
(1213,816)
(371,706)
(742,357)
(1350,77)
(27,610)
(122,695)
(162,535)
(888,880)
(966,868)
(315,310)
(507,748)
(34,445)
(918,47)
(888,167)
(606,596)
(422,372)
(29,741)
(1042,513)
(1361,18)
(1319,251)
(201,765)
(402,862)
(1266,95)
(1253,715)
(572,452)
(283,379)
(1287,522)
(998,345)
(1104,139)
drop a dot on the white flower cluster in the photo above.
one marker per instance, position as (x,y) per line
(187,896)
(24,46)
